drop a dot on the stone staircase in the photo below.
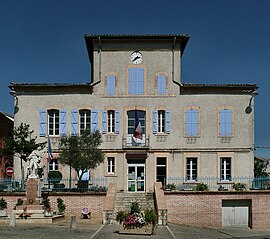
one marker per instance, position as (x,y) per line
(123,201)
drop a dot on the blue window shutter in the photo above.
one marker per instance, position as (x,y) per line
(154,122)
(195,122)
(63,119)
(94,122)
(74,122)
(225,122)
(131,81)
(117,121)
(140,81)
(228,119)
(168,126)
(42,123)
(161,85)
(111,85)
(188,123)
(136,81)
(104,121)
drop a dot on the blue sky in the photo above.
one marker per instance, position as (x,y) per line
(42,41)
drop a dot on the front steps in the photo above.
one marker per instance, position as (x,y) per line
(123,201)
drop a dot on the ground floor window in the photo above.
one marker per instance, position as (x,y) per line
(54,165)
(161,169)
(111,165)
(191,169)
(225,169)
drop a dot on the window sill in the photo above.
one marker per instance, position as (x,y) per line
(110,175)
(225,182)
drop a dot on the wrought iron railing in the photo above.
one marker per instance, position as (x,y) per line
(128,141)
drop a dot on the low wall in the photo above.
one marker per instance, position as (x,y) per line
(74,202)
(204,209)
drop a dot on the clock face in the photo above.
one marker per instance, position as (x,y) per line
(136,57)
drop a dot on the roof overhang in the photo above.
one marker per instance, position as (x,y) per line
(172,38)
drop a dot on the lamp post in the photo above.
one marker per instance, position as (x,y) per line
(248,110)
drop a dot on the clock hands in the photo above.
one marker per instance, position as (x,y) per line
(137,57)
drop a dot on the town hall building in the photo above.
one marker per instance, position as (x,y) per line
(187,131)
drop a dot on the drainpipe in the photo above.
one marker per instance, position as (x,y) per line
(99,74)
(178,83)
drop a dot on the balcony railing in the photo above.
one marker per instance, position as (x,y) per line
(129,141)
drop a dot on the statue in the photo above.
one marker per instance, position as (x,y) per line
(34,161)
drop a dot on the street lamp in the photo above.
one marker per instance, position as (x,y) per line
(248,110)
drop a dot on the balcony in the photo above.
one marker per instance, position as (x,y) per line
(129,142)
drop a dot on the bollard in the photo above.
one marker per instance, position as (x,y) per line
(73,223)
(12,219)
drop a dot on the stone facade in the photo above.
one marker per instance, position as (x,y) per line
(163,152)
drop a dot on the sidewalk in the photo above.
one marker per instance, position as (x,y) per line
(91,229)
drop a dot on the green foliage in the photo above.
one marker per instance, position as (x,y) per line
(170,187)
(19,202)
(202,187)
(135,208)
(81,152)
(55,177)
(260,168)
(3,204)
(151,216)
(21,142)
(120,217)
(60,205)
(239,186)
(46,203)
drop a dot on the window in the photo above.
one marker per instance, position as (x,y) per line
(85,121)
(54,165)
(225,169)
(161,121)
(110,121)
(53,119)
(111,80)
(225,123)
(136,81)
(111,165)
(192,123)
(161,170)
(131,120)
(161,85)
(191,169)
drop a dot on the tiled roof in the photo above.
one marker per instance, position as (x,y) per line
(220,85)
(161,36)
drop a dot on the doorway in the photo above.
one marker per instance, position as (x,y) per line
(136,177)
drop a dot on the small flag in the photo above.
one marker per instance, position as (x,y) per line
(50,155)
(138,128)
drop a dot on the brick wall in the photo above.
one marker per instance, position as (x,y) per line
(74,202)
(204,209)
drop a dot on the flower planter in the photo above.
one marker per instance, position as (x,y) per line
(48,213)
(139,230)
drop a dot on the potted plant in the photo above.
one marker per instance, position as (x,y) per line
(47,208)
(202,187)
(61,206)
(239,186)
(136,221)
(3,207)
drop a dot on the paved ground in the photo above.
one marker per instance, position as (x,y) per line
(90,229)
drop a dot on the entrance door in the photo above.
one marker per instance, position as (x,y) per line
(136,178)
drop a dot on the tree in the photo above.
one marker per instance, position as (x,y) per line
(81,152)
(260,168)
(21,143)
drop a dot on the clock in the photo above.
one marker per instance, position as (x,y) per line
(136,57)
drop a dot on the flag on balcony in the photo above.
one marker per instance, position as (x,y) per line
(138,128)
(50,155)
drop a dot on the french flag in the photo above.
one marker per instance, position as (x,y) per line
(138,128)
(50,155)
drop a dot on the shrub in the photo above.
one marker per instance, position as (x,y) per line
(120,217)
(3,204)
(202,187)
(55,177)
(151,216)
(61,206)
(19,202)
(170,187)
(135,208)
(46,203)
(239,186)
